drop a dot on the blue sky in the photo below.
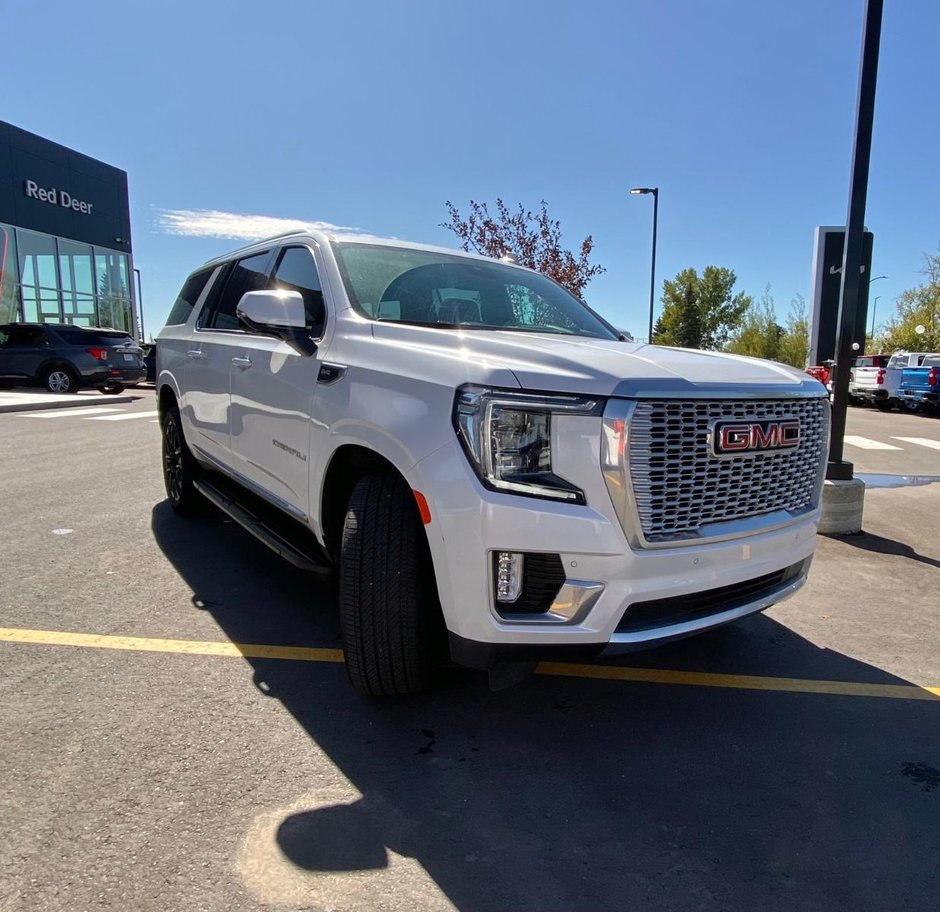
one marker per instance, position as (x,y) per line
(372,114)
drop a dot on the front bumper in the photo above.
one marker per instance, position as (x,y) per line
(469,523)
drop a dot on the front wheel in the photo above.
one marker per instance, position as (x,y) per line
(388,602)
(179,466)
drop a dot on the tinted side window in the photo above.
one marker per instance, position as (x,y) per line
(297,271)
(249,274)
(27,337)
(85,337)
(186,299)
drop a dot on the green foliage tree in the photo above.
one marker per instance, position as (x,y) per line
(794,344)
(532,239)
(918,306)
(700,311)
(759,334)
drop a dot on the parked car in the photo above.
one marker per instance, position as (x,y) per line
(65,358)
(865,379)
(486,464)
(920,386)
(150,360)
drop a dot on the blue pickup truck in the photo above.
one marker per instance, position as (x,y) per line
(920,386)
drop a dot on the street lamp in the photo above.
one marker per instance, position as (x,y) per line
(140,306)
(655,192)
(874,307)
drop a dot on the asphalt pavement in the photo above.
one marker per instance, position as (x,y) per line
(177,732)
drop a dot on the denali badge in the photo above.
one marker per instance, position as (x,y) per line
(729,437)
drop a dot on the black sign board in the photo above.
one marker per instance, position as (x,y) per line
(827,286)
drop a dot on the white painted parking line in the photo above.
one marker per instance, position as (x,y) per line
(77,412)
(126,417)
(867,444)
(921,441)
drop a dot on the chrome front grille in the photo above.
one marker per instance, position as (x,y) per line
(680,487)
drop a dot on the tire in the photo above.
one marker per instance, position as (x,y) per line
(389,613)
(60,378)
(180,468)
(884,405)
(112,389)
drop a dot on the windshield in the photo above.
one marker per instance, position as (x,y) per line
(426,288)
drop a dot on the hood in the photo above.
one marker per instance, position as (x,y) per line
(569,364)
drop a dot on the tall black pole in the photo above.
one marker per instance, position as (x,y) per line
(649,336)
(140,306)
(838,469)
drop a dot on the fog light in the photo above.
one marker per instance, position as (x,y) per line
(508,576)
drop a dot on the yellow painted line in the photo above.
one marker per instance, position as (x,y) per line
(560,669)
(740,682)
(186,647)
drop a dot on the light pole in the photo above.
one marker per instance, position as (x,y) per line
(140,306)
(874,307)
(655,192)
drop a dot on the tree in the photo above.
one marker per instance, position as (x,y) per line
(759,334)
(918,306)
(794,345)
(700,311)
(532,239)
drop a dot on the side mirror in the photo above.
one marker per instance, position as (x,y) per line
(277,313)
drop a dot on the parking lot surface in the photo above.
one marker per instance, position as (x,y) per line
(178,732)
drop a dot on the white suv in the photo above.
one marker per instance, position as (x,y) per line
(485,461)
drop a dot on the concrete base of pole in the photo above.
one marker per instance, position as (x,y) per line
(842,505)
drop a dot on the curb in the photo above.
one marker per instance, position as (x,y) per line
(8,407)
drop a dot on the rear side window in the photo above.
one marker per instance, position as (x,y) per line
(186,299)
(296,271)
(897,362)
(99,339)
(249,274)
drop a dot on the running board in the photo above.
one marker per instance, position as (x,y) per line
(261,530)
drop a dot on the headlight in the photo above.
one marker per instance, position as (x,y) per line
(508,438)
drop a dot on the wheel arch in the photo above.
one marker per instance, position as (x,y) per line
(348,463)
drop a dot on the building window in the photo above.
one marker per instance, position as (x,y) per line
(113,287)
(44,279)
(39,283)
(9,276)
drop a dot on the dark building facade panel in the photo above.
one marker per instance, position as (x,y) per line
(58,191)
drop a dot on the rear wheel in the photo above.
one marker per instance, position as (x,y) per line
(179,466)
(884,405)
(60,378)
(389,612)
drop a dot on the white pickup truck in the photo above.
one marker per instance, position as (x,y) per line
(877,379)
(485,462)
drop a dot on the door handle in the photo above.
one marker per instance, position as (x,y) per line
(196,354)
(241,362)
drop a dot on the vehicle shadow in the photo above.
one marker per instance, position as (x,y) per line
(574,794)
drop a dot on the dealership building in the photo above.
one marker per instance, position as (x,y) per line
(65,236)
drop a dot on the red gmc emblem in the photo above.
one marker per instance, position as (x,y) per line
(755,436)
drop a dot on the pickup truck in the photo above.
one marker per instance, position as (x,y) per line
(920,386)
(865,378)
(887,394)
(491,471)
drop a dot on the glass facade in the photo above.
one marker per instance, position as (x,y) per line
(45,279)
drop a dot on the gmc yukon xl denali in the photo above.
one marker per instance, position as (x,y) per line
(485,463)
